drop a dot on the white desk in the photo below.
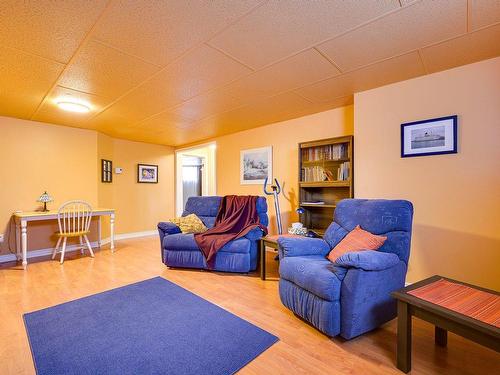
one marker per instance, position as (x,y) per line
(22,219)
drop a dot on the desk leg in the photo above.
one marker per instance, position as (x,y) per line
(99,232)
(262,260)
(404,337)
(18,241)
(112,231)
(24,240)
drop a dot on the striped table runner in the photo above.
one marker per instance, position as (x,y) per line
(463,299)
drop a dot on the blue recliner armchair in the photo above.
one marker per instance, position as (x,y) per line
(352,295)
(180,250)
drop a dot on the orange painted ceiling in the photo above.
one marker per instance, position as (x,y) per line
(175,72)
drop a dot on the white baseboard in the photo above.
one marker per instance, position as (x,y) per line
(44,252)
(41,252)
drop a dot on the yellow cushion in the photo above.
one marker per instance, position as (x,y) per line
(189,224)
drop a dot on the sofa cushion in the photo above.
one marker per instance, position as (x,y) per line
(189,224)
(186,242)
(357,240)
(315,274)
(202,206)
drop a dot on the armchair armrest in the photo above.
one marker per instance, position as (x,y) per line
(368,260)
(293,246)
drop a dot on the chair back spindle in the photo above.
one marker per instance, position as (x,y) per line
(74,217)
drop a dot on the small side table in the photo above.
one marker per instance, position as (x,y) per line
(443,319)
(272,242)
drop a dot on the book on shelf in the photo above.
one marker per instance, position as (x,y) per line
(343,172)
(319,203)
(325,153)
(321,174)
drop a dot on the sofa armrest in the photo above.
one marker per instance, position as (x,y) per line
(302,246)
(255,234)
(367,260)
(166,228)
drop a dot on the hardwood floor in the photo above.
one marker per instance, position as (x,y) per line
(301,349)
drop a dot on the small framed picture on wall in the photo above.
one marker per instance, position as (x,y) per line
(429,137)
(147,173)
(106,171)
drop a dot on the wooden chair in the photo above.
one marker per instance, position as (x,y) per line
(74,219)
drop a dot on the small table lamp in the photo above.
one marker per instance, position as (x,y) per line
(45,198)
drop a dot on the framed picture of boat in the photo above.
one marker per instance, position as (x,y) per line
(429,137)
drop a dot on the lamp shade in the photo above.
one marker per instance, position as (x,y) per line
(45,198)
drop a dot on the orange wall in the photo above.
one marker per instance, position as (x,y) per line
(139,207)
(35,157)
(66,162)
(284,138)
(456,196)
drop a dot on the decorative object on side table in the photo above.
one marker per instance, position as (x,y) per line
(256,165)
(297,229)
(147,173)
(106,171)
(429,137)
(45,198)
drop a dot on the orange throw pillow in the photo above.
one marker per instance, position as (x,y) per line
(356,240)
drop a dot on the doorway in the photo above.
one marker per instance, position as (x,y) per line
(195,173)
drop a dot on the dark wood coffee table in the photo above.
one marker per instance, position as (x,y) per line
(444,320)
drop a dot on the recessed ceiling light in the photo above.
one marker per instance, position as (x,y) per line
(73,105)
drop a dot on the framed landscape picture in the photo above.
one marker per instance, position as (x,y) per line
(429,137)
(255,165)
(147,173)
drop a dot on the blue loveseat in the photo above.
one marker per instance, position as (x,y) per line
(352,295)
(181,250)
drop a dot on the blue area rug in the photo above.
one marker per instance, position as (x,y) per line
(150,327)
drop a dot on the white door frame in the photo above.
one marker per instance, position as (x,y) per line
(178,172)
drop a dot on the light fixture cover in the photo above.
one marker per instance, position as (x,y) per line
(71,104)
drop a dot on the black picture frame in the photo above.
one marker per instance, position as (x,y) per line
(106,171)
(141,179)
(444,142)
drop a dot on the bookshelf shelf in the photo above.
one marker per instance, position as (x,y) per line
(313,184)
(312,205)
(325,175)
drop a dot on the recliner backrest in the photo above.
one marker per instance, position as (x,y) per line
(391,218)
(206,208)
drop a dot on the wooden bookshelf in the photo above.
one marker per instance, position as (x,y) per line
(321,181)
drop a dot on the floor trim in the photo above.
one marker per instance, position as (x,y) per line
(44,252)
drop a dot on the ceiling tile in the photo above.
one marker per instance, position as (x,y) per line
(25,80)
(105,71)
(484,13)
(163,30)
(281,28)
(164,121)
(379,74)
(201,70)
(304,68)
(50,112)
(479,45)
(412,27)
(260,112)
(206,105)
(52,29)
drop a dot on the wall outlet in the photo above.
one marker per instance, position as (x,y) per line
(1,237)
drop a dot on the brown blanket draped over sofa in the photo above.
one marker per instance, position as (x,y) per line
(236,217)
